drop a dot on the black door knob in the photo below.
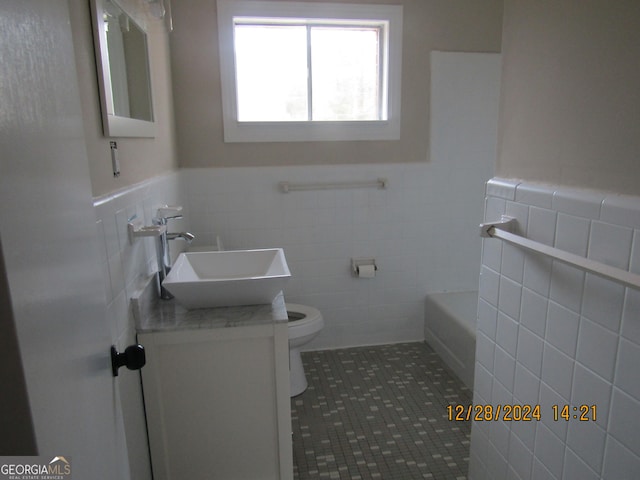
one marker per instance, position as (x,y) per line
(133,358)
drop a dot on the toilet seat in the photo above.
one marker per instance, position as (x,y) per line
(310,314)
(310,323)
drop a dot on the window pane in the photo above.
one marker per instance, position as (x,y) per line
(345,78)
(271,69)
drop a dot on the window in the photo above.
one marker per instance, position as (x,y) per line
(309,71)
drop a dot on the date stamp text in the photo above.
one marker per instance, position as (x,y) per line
(520,413)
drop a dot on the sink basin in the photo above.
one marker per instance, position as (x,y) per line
(227,278)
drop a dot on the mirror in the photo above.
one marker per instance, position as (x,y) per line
(123,72)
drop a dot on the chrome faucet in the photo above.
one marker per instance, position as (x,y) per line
(188,237)
(163,216)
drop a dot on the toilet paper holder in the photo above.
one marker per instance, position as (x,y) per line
(356,263)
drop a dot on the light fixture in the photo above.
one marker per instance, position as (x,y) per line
(156,8)
(161,9)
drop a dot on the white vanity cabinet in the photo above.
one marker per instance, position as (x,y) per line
(217,400)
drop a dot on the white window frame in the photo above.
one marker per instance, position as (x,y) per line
(235,131)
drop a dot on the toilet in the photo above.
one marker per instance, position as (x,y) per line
(304,324)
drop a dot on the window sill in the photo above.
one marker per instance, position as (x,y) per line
(236,132)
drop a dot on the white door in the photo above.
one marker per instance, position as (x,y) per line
(48,237)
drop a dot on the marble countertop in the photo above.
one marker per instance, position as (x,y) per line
(154,315)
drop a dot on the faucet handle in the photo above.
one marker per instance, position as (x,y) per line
(169,211)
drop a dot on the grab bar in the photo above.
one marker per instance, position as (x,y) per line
(287,187)
(500,229)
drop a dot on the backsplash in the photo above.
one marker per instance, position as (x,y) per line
(551,334)
(126,265)
(423,237)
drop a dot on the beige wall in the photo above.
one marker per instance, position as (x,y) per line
(140,158)
(571,93)
(461,25)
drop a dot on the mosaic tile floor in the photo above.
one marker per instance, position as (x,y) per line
(379,412)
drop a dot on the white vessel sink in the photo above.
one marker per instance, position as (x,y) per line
(227,278)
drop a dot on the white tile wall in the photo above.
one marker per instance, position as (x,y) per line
(424,239)
(578,338)
(125,265)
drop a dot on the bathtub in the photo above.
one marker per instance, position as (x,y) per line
(450,329)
